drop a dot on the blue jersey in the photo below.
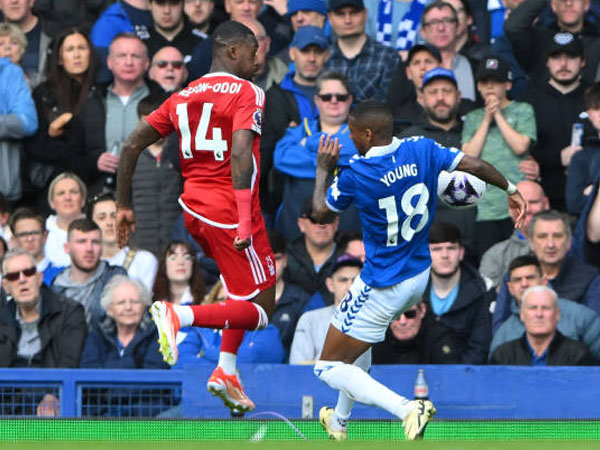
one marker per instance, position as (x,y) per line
(394,188)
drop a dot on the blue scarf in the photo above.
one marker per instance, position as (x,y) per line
(407,28)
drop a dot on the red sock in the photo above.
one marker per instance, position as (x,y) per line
(234,314)
(231,340)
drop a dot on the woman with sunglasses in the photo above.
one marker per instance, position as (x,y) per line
(70,135)
(296,153)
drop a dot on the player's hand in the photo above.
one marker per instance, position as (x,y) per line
(125,225)
(57,126)
(518,209)
(241,244)
(328,153)
(530,168)
(108,162)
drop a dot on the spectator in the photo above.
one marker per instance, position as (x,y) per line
(313,325)
(126,338)
(557,103)
(141,265)
(171,29)
(75,12)
(86,277)
(417,338)
(29,233)
(179,278)
(17,114)
(156,185)
(70,113)
(550,240)
(38,328)
(542,344)
(290,299)
(494,262)
(13,43)
(531,42)
(202,345)
(240,10)
(123,16)
(351,243)
(441,121)
(439,25)
(66,196)
(576,321)
(500,133)
(367,64)
(39,28)
(5,213)
(270,68)
(311,256)
(585,164)
(295,154)
(467,43)
(168,69)
(587,233)
(128,62)
(457,295)
(200,16)
(307,12)
(288,104)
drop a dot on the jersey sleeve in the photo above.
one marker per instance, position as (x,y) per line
(248,113)
(160,118)
(447,157)
(341,192)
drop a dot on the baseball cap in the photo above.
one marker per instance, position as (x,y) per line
(437,73)
(345,260)
(309,35)
(319,6)
(423,47)
(493,68)
(336,4)
(565,43)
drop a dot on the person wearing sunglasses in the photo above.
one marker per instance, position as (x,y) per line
(417,338)
(38,328)
(296,153)
(168,69)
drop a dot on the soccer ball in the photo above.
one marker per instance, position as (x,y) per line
(460,189)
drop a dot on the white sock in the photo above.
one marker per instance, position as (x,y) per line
(360,386)
(343,407)
(185,314)
(227,362)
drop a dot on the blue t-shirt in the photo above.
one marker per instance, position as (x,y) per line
(441,305)
(394,188)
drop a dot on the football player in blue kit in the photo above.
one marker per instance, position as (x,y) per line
(393,183)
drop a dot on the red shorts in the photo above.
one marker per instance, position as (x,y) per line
(244,273)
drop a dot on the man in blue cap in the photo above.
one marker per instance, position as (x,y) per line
(307,12)
(290,102)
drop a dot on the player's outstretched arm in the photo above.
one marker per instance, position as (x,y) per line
(489,174)
(327,158)
(140,138)
(241,175)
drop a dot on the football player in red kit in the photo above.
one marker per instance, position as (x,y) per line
(218,118)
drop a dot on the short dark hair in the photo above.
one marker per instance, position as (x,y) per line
(345,237)
(25,213)
(230,32)
(444,232)
(438,4)
(277,241)
(83,224)
(592,96)
(523,261)
(333,75)
(98,198)
(375,115)
(550,215)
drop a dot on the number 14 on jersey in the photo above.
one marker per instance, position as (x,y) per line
(216,145)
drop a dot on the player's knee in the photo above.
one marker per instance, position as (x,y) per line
(325,370)
(263,319)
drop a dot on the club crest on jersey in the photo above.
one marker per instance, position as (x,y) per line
(270,265)
(257,118)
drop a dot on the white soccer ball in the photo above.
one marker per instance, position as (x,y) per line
(460,189)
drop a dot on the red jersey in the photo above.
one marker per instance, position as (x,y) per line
(205,114)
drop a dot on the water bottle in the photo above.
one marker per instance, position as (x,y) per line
(421,387)
(110,180)
(577,134)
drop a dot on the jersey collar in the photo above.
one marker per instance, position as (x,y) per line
(383,149)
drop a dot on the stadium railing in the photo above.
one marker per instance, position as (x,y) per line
(460,392)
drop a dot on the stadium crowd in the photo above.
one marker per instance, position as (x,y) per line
(513,82)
